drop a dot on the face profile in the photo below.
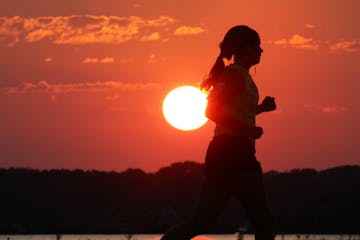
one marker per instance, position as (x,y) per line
(250,54)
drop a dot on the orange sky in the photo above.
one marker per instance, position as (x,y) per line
(82,82)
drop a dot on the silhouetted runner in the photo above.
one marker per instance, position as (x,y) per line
(231,169)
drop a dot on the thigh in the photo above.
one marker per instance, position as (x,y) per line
(214,196)
(229,156)
(250,191)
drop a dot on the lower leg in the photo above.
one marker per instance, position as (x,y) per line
(264,236)
(263,224)
(265,232)
(213,198)
(253,199)
(186,230)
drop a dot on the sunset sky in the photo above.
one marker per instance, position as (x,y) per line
(82,82)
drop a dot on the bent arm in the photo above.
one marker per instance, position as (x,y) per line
(267,105)
(260,109)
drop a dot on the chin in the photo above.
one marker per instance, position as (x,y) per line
(256,62)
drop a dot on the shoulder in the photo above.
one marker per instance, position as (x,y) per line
(234,77)
(234,72)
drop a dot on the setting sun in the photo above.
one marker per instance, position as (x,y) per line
(184,108)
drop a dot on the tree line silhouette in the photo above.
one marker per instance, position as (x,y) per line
(133,201)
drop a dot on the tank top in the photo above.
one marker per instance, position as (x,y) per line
(244,103)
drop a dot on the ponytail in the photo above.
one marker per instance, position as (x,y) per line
(216,71)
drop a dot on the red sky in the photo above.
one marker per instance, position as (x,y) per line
(82,82)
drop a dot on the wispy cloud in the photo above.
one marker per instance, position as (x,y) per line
(334,109)
(346,46)
(112,97)
(45,87)
(298,41)
(310,26)
(81,29)
(137,5)
(151,37)
(151,59)
(301,42)
(38,35)
(48,59)
(97,60)
(126,60)
(326,108)
(187,30)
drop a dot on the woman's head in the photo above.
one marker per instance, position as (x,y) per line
(240,42)
(243,43)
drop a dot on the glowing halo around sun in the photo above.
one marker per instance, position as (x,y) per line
(184,108)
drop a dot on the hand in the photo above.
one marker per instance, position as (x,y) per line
(257,132)
(268,104)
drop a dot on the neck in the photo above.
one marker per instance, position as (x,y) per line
(243,64)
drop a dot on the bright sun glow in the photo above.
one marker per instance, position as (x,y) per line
(184,108)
